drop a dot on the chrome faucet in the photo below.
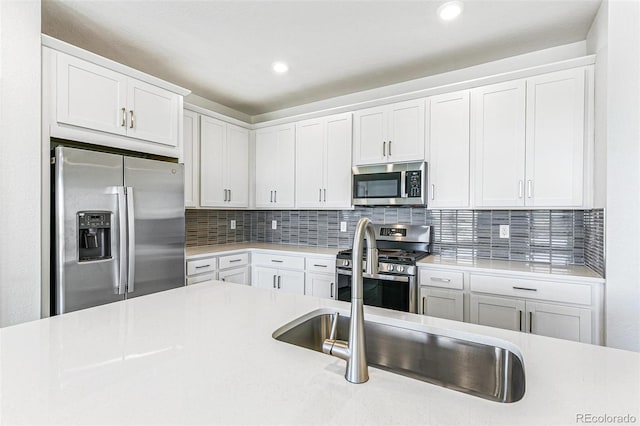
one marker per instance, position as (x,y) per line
(354,351)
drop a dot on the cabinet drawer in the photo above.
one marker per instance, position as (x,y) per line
(201,278)
(444,279)
(234,260)
(321,265)
(532,289)
(278,261)
(200,266)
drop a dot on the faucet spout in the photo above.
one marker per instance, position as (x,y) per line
(354,351)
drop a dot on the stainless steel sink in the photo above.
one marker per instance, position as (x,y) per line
(479,369)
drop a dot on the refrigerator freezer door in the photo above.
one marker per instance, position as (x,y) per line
(87,229)
(157,259)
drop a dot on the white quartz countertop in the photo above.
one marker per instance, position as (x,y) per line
(204,251)
(536,269)
(204,354)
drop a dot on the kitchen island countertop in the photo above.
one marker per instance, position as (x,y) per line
(204,354)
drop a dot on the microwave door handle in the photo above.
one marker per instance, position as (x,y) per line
(121,283)
(131,241)
(403,185)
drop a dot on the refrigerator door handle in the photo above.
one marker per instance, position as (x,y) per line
(121,283)
(131,241)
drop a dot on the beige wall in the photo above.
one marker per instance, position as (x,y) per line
(19,161)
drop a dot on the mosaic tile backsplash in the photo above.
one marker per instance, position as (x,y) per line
(550,236)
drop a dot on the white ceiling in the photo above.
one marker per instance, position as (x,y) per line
(223,50)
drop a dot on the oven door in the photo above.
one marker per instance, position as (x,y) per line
(385,291)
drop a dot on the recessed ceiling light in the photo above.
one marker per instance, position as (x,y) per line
(450,10)
(280,67)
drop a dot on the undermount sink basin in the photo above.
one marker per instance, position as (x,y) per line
(479,369)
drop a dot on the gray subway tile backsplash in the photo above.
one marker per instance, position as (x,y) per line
(549,236)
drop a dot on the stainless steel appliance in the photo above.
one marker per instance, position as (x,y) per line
(118,228)
(398,184)
(394,286)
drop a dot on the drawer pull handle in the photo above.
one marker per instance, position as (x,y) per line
(319,266)
(440,280)
(203,266)
(277,261)
(235,260)
(525,288)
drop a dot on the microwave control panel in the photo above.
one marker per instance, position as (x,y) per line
(414,183)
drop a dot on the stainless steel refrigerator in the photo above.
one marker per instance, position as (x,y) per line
(118,228)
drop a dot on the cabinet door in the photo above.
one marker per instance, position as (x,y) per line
(448,304)
(236,167)
(405,137)
(555,139)
(290,281)
(262,277)
(310,163)
(284,188)
(236,275)
(337,189)
(153,113)
(320,285)
(449,150)
(563,322)
(90,96)
(498,134)
(191,143)
(498,312)
(266,161)
(212,141)
(369,143)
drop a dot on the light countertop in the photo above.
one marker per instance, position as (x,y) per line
(204,354)
(203,251)
(536,269)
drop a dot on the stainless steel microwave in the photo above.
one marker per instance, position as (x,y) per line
(396,184)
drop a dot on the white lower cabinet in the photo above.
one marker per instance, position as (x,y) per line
(235,275)
(278,279)
(546,319)
(320,285)
(565,307)
(202,270)
(441,303)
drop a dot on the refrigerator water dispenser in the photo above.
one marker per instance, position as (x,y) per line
(94,235)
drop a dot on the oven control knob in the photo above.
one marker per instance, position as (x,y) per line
(389,267)
(400,268)
(347,263)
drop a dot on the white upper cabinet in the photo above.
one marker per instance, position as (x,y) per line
(390,133)
(275,167)
(90,96)
(152,113)
(555,139)
(448,142)
(498,134)
(224,164)
(323,162)
(529,139)
(97,98)
(191,143)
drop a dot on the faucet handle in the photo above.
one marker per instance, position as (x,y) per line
(334,327)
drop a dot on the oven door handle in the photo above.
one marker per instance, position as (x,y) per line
(383,277)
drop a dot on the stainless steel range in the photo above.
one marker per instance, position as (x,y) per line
(395,285)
